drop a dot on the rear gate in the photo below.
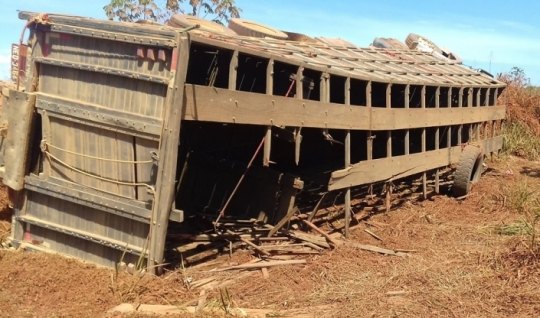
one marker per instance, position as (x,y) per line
(92,178)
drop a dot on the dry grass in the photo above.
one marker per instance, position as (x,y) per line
(522,132)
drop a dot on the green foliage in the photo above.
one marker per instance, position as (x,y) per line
(220,11)
(525,200)
(521,141)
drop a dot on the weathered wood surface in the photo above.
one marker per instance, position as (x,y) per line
(167,157)
(224,106)
(398,167)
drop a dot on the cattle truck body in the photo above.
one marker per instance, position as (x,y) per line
(118,129)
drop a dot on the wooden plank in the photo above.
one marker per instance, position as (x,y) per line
(321,232)
(267,146)
(407,95)
(224,106)
(102,69)
(102,240)
(348,91)
(388,96)
(423,97)
(348,191)
(263,264)
(317,240)
(375,249)
(168,153)
(372,171)
(270,77)
(233,71)
(299,83)
(82,195)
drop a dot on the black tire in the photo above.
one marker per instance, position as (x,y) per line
(468,171)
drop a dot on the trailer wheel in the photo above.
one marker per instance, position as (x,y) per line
(468,170)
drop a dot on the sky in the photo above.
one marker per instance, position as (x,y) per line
(492,35)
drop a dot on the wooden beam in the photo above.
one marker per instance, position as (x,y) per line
(233,71)
(321,232)
(383,169)
(407,95)
(221,105)
(167,157)
(438,97)
(300,83)
(407,141)
(423,97)
(424,176)
(348,91)
(267,146)
(368,94)
(348,191)
(389,143)
(389,95)
(437,146)
(270,77)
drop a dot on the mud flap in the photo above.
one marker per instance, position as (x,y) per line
(16,119)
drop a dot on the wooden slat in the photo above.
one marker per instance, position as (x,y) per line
(168,154)
(220,105)
(376,170)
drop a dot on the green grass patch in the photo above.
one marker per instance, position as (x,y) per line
(519,140)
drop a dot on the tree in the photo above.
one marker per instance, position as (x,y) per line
(220,11)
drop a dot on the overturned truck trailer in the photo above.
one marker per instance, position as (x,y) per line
(118,131)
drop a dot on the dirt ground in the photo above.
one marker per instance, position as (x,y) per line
(466,258)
